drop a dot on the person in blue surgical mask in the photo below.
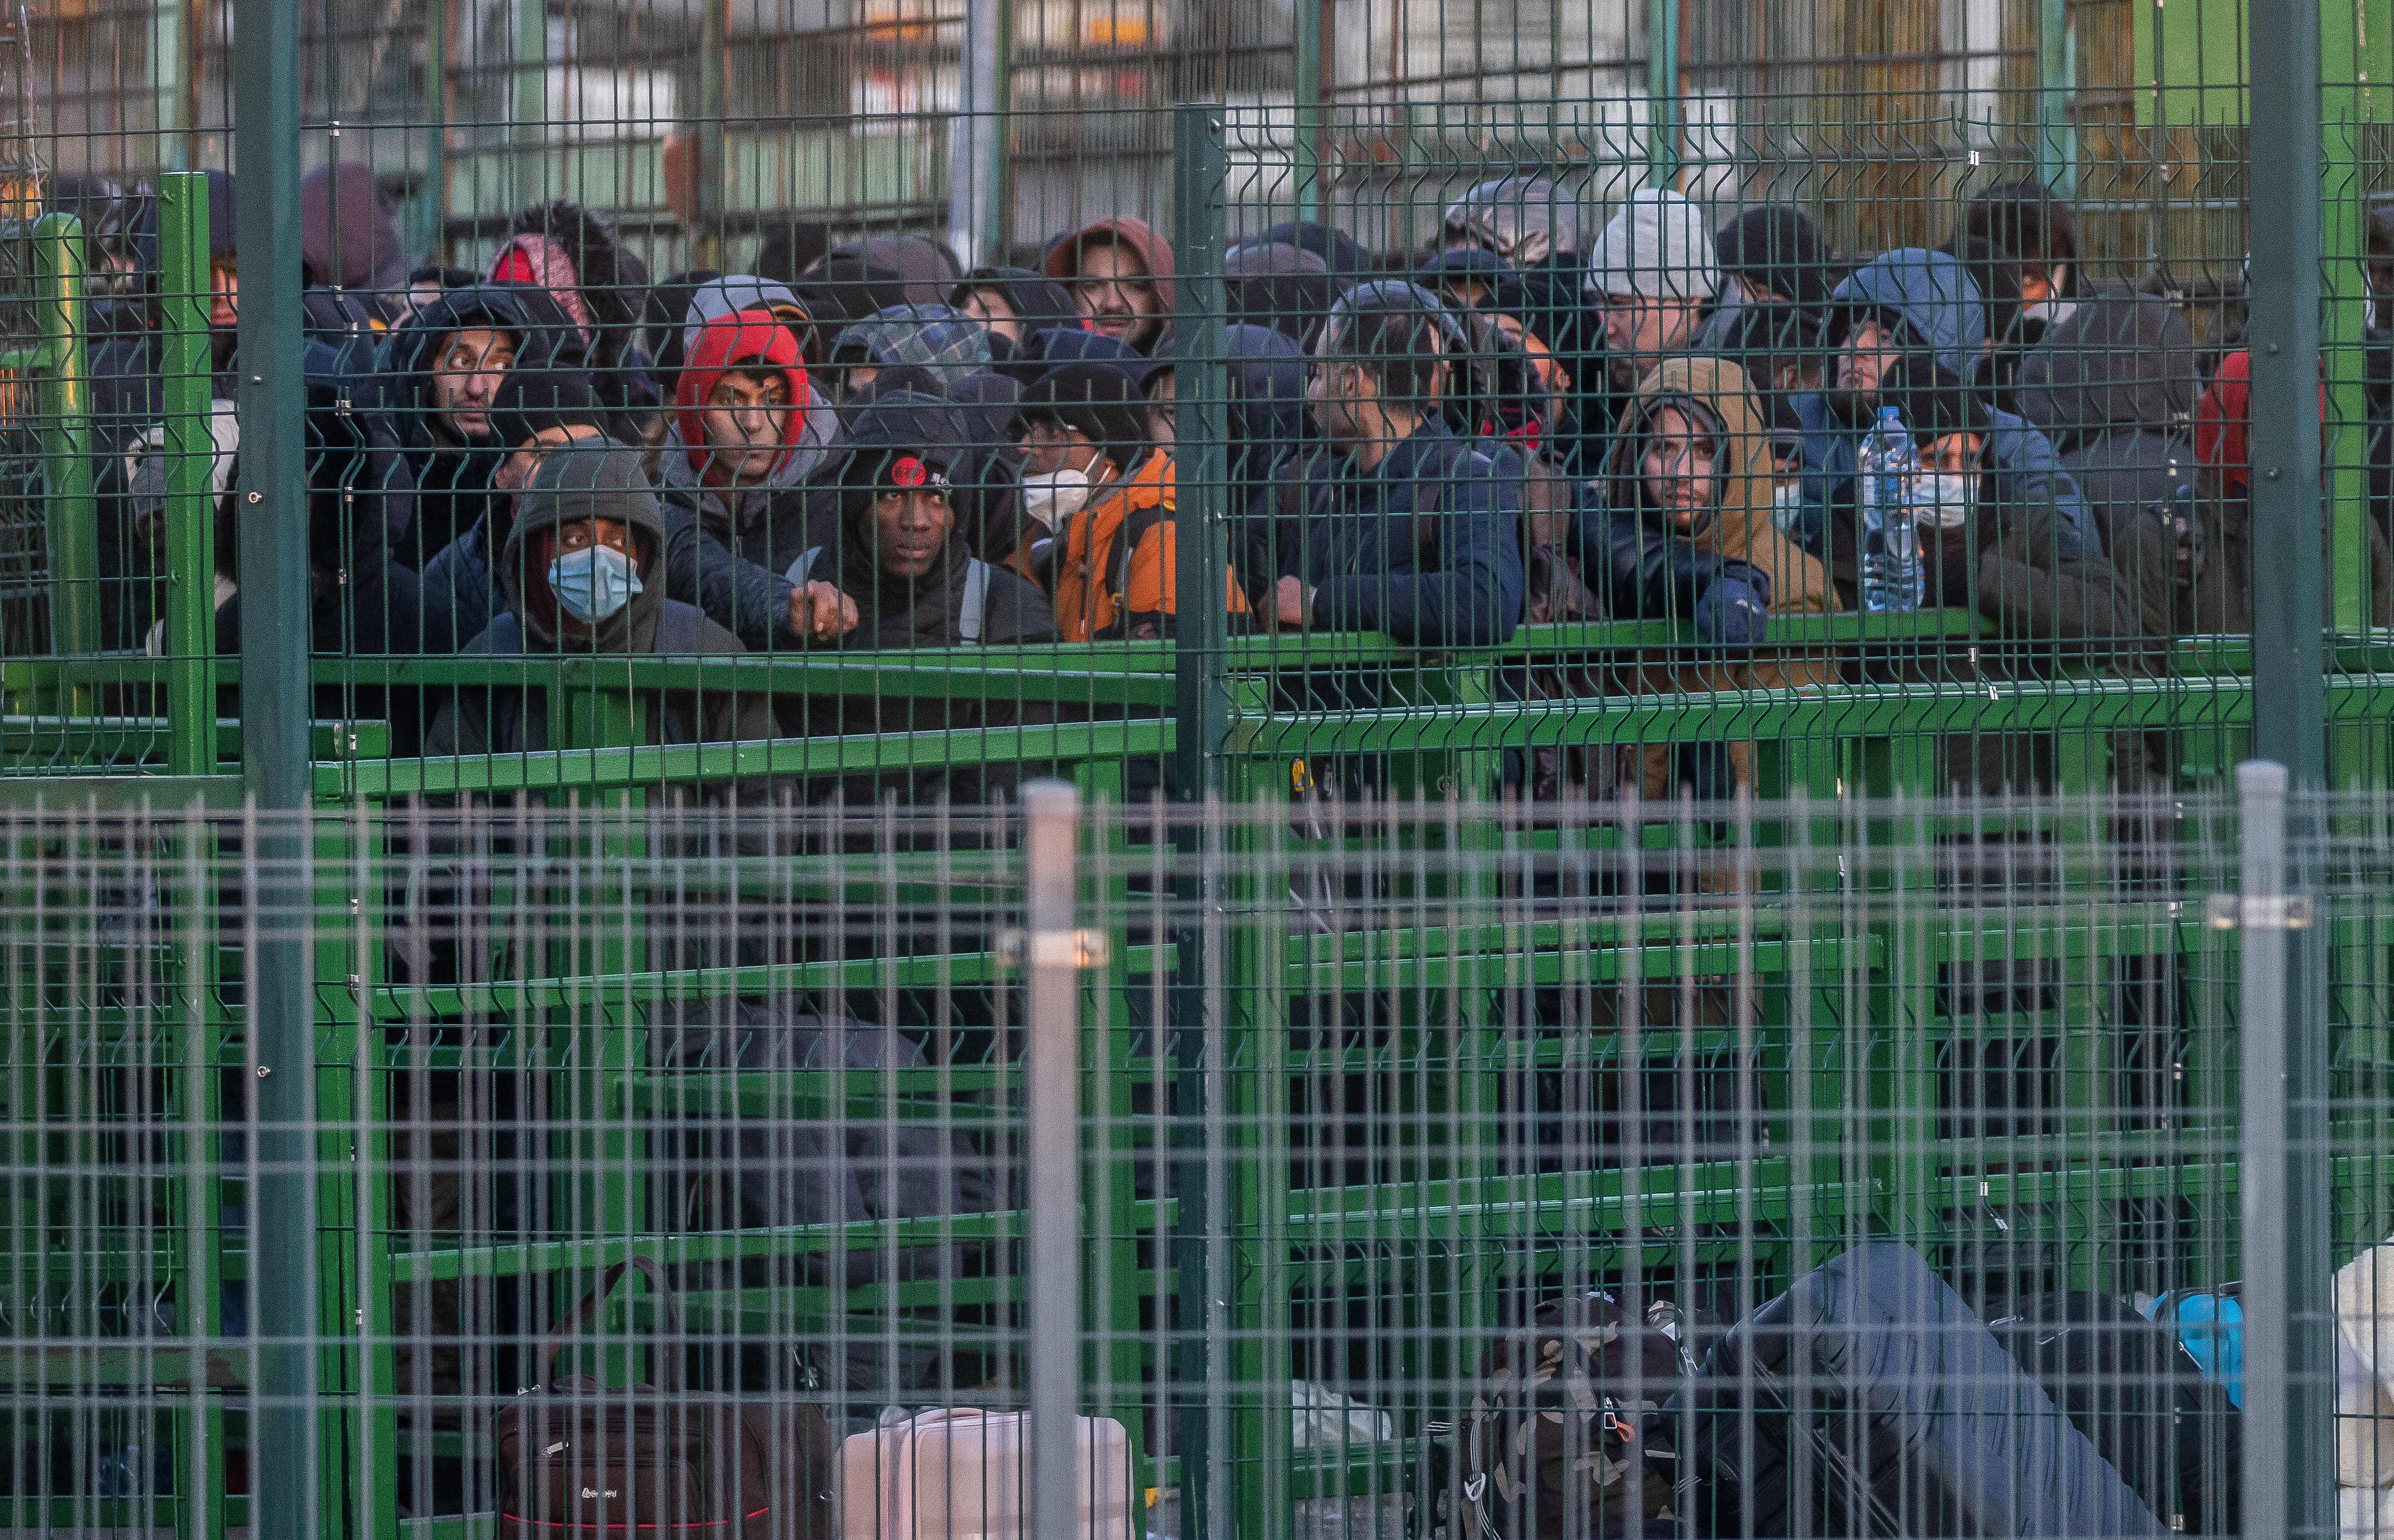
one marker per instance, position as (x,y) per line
(579,570)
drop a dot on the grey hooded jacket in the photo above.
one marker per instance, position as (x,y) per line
(1941,314)
(706,527)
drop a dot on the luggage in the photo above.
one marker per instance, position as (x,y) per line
(2364,1371)
(581,1459)
(961,1474)
(1563,1441)
(2127,1384)
(1869,1401)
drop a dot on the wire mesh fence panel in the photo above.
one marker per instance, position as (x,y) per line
(1690,398)
(1869,1168)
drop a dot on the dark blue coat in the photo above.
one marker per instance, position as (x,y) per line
(1425,547)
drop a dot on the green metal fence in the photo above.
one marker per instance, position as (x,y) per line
(374,986)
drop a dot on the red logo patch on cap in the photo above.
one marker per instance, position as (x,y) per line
(908,471)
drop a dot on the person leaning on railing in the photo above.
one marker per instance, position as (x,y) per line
(1679,527)
(1101,495)
(1406,529)
(1915,302)
(579,568)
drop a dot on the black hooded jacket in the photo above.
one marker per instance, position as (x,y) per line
(453,481)
(593,479)
(925,611)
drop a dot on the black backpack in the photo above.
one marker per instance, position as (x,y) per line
(1563,1440)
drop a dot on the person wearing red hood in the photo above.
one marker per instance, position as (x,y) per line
(2213,549)
(748,427)
(1120,273)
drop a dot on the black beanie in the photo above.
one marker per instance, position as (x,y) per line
(1780,249)
(1096,400)
(531,400)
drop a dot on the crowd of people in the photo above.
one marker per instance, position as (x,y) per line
(1559,414)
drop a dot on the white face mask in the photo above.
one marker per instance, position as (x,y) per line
(1787,505)
(1945,500)
(1049,500)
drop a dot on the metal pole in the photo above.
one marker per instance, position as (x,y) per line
(1202,464)
(530,103)
(274,639)
(713,67)
(1663,93)
(977,149)
(2289,688)
(1203,467)
(2056,152)
(65,403)
(170,55)
(190,510)
(432,199)
(1052,1231)
(2290,701)
(2261,893)
(1308,148)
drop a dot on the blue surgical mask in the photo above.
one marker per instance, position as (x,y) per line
(593,582)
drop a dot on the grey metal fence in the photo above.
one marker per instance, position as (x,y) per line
(1920,1167)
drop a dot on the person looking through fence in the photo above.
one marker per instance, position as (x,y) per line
(936,342)
(2214,555)
(1406,529)
(440,377)
(1103,495)
(1525,220)
(1120,272)
(1914,301)
(1010,304)
(748,428)
(1654,273)
(571,254)
(534,412)
(900,575)
(1985,550)
(579,571)
(1679,526)
(349,240)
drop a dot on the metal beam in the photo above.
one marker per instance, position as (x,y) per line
(274,641)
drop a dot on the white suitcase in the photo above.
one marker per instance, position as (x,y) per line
(960,1474)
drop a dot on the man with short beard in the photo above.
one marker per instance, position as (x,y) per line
(1120,275)
(1654,274)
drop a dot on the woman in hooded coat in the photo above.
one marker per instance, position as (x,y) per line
(1717,394)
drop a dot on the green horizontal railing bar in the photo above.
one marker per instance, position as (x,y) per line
(162,793)
(626,769)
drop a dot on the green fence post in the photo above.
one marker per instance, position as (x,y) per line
(1663,93)
(190,511)
(2289,691)
(288,1314)
(431,204)
(2056,147)
(713,65)
(1306,158)
(72,528)
(1200,469)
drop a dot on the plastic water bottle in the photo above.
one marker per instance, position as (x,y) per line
(1891,573)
